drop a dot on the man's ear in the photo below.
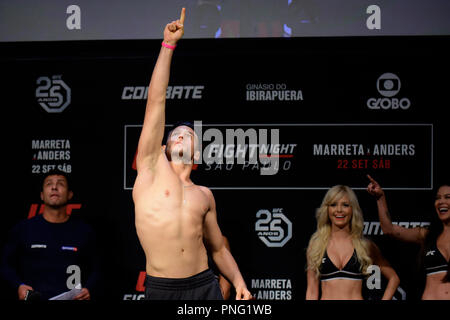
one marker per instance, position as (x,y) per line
(196,156)
(42,196)
(70,195)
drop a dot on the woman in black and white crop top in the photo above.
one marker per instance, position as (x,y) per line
(338,256)
(435,240)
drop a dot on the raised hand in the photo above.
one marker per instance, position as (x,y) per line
(374,188)
(175,30)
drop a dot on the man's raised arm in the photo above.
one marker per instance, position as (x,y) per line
(152,133)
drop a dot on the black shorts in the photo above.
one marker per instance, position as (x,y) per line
(202,286)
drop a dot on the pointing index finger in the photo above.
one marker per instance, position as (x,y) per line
(183,12)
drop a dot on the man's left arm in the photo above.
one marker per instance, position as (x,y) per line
(220,254)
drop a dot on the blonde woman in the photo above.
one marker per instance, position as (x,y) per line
(338,255)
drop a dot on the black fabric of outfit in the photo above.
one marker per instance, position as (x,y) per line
(351,271)
(435,261)
(38,253)
(202,286)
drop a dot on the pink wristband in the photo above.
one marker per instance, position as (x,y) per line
(168,45)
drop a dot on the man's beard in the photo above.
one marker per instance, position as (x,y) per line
(179,156)
(57,205)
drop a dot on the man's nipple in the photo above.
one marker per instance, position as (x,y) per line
(167,193)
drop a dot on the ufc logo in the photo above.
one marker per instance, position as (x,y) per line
(36,208)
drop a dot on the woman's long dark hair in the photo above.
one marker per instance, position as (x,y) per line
(435,229)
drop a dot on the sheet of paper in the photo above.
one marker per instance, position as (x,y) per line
(68,295)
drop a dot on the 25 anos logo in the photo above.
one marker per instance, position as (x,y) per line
(273,228)
(52,94)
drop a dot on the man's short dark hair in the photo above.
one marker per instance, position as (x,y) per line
(176,125)
(57,172)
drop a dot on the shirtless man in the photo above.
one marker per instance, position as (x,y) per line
(174,217)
